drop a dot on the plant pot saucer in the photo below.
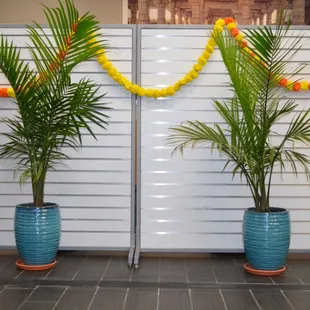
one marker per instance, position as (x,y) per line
(266,273)
(20,264)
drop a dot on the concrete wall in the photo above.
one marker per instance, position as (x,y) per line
(25,11)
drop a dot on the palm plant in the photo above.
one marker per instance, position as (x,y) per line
(53,111)
(248,138)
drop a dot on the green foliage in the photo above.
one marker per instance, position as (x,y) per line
(258,103)
(53,111)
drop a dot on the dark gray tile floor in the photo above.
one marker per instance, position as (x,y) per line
(81,282)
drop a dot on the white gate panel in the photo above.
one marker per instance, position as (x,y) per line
(187,203)
(95,191)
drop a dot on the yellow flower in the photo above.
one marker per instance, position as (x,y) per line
(163,92)
(194,74)
(212,42)
(231,26)
(112,71)
(134,89)
(220,22)
(239,37)
(183,81)
(188,78)
(156,93)
(210,48)
(304,85)
(218,28)
(141,92)
(102,59)
(197,67)
(290,84)
(202,61)
(122,80)
(206,55)
(108,65)
(11,92)
(247,50)
(170,91)
(149,93)
(127,85)
(177,86)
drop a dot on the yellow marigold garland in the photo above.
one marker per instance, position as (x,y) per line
(231,26)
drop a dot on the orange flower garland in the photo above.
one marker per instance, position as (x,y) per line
(231,26)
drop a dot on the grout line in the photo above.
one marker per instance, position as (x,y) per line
(27,297)
(4,288)
(125,299)
(58,301)
(93,298)
(273,280)
(288,266)
(159,270)
(214,275)
(191,299)
(238,270)
(186,273)
(19,274)
(158,297)
(287,300)
(53,268)
(223,300)
(80,267)
(258,305)
(106,268)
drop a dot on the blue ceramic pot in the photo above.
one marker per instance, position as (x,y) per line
(37,232)
(266,238)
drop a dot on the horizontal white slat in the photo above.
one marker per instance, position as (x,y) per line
(204,243)
(69,176)
(80,214)
(105,32)
(218,203)
(83,225)
(69,189)
(117,42)
(80,240)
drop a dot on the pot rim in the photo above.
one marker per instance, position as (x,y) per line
(279,210)
(30,205)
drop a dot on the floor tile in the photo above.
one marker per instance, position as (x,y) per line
(142,299)
(271,301)
(109,298)
(11,299)
(93,268)
(301,268)
(67,267)
(34,275)
(34,305)
(170,299)
(8,268)
(239,300)
(199,270)
(299,299)
(172,270)
(207,300)
(117,270)
(76,298)
(226,271)
(47,293)
(148,270)
(287,277)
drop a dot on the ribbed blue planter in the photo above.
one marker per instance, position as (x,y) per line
(37,233)
(266,238)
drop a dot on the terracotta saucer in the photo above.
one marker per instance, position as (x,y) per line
(20,264)
(267,273)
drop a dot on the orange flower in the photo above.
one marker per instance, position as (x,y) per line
(243,44)
(252,54)
(61,54)
(74,27)
(234,32)
(283,82)
(68,41)
(3,92)
(296,86)
(229,20)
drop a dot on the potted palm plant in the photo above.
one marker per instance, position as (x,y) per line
(52,113)
(249,139)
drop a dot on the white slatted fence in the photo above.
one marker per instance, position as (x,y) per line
(95,192)
(187,204)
